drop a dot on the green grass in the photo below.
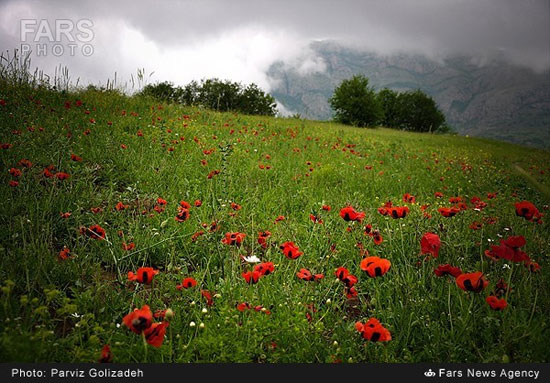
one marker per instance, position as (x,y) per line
(54,310)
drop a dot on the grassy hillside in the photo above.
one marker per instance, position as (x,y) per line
(124,156)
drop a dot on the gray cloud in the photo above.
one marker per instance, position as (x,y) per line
(239,40)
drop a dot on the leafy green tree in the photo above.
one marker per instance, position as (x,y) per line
(162,91)
(388,101)
(253,100)
(355,103)
(219,95)
(189,94)
(215,94)
(418,112)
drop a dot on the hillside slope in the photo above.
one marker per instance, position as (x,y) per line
(97,186)
(494,100)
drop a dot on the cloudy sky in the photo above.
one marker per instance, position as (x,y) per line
(184,40)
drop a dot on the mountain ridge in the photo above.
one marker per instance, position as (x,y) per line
(492,99)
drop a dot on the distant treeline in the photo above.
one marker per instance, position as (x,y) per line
(215,94)
(355,103)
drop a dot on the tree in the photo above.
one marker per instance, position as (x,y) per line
(418,112)
(253,100)
(354,103)
(162,91)
(388,101)
(215,94)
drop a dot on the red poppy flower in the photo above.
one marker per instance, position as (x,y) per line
(496,303)
(351,292)
(15,172)
(143,275)
(373,330)
(290,250)
(198,203)
(375,266)
(235,206)
(161,201)
(448,211)
(128,246)
(183,214)
(251,277)
(206,294)
(438,195)
(385,210)
(233,238)
(533,266)
(106,355)
(476,225)
(95,232)
(265,268)
(74,157)
(409,198)
(528,211)
(61,176)
(64,254)
(377,237)
(315,219)
(306,275)
(262,238)
(326,207)
(154,335)
(13,183)
(341,273)
(456,199)
(212,174)
(509,249)
(447,269)
(348,213)
(430,244)
(243,306)
(349,280)
(120,206)
(196,235)
(472,282)
(139,320)
(187,283)
(280,218)
(398,211)
(25,163)
(65,215)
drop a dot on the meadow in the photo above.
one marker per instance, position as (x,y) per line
(113,203)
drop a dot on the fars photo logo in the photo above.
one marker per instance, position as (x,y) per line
(58,37)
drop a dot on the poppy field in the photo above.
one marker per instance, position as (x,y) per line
(134,231)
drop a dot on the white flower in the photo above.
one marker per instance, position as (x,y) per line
(192,324)
(252,259)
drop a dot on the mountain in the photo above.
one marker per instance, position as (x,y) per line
(494,99)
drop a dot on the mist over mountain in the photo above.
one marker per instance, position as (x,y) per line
(493,99)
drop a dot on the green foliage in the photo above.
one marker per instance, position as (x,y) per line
(355,103)
(162,91)
(388,101)
(417,112)
(55,310)
(216,95)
